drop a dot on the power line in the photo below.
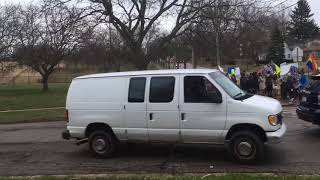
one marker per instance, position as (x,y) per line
(283,9)
(280,3)
(273,13)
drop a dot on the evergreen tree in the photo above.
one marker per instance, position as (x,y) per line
(301,26)
(276,49)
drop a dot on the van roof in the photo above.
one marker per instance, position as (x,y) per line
(149,72)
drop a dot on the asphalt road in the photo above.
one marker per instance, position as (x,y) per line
(37,149)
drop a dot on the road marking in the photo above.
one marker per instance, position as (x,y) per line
(38,109)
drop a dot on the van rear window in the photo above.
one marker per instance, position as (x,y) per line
(137,89)
(161,89)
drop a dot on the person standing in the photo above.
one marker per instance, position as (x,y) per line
(255,81)
(234,78)
(284,88)
(262,83)
(244,81)
(250,84)
(303,83)
(291,88)
(269,84)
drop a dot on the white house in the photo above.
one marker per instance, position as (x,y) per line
(287,52)
(293,53)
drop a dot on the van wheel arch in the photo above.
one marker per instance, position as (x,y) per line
(92,127)
(247,127)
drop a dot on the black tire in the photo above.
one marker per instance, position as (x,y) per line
(246,147)
(102,144)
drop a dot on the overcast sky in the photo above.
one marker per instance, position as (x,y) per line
(315,6)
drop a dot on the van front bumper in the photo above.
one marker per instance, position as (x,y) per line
(276,136)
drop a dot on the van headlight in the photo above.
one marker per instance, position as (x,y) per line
(273,120)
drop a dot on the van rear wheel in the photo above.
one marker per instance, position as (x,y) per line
(246,147)
(102,144)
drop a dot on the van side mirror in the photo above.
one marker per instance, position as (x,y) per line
(215,98)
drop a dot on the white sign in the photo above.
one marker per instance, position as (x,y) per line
(237,71)
(285,68)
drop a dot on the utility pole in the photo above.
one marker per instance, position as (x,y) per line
(297,55)
(194,61)
(217,27)
(218,48)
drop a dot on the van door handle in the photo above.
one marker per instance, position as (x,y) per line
(150,116)
(183,116)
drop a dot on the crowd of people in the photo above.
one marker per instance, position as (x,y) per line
(287,87)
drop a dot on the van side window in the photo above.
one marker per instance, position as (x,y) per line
(161,89)
(137,89)
(197,89)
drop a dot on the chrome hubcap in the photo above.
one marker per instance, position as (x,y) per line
(245,148)
(99,144)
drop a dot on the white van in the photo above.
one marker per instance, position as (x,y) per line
(171,106)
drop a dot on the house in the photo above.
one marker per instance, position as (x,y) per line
(293,53)
(297,52)
(312,46)
(262,57)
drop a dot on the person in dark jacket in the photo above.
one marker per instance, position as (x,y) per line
(284,89)
(244,81)
(251,84)
(291,89)
(255,83)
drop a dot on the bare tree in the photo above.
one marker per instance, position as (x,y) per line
(48,34)
(103,48)
(134,20)
(230,30)
(8,31)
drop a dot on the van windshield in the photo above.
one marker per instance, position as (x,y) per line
(228,86)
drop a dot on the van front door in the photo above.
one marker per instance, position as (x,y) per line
(203,110)
(162,108)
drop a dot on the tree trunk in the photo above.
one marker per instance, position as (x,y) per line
(45,86)
(140,60)
(217,48)
(105,69)
(142,64)
(118,65)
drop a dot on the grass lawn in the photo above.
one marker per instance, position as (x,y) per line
(31,97)
(222,177)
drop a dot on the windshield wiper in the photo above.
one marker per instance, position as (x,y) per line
(237,95)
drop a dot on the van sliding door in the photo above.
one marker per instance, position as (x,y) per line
(162,108)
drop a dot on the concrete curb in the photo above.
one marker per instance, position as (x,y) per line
(36,109)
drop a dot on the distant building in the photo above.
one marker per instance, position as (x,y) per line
(297,52)
(293,53)
(262,57)
(312,46)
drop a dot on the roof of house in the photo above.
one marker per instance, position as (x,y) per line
(313,46)
(293,46)
(149,72)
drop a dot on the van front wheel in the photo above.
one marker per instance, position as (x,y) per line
(246,147)
(102,144)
